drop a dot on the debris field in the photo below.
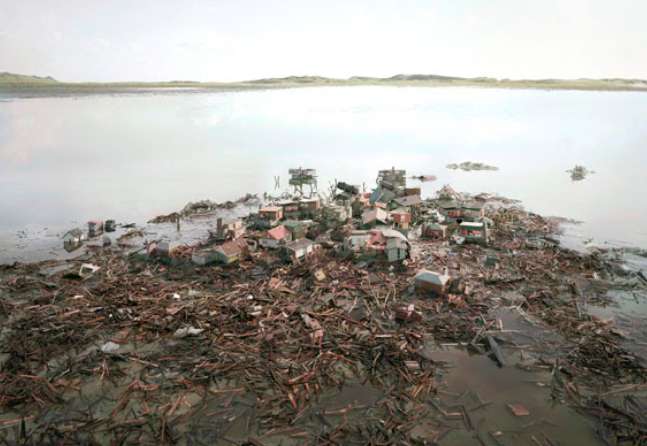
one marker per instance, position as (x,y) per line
(329,345)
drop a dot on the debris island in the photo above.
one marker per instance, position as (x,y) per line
(319,321)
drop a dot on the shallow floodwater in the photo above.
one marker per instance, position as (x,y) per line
(64,160)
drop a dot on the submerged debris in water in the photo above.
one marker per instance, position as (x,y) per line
(205,207)
(468,166)
(563,220)
(578,173)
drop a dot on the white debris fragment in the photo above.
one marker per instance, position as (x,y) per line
(317,333)
(88,269)
(187,331)
(110,347)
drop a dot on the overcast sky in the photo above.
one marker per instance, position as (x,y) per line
(108,40)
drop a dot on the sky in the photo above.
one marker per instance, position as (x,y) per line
(215,40)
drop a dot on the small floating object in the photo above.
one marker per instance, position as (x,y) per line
(424,178)
(518,410)
(468,166)
(579,173)
(110,226)
(95,228)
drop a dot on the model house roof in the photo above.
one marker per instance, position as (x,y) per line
(278,233)
(477,205)
(291,225)
(434,227)
(400,211)
(392,233)
(448,204)
(230,248)
(270,209)
(409,200)
(299,244)
(371,215)
(472,225)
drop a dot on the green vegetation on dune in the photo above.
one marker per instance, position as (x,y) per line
(43,86)
(22,79)
(295,80)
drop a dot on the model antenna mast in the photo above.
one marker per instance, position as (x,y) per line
(303,177)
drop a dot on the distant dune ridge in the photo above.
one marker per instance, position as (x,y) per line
(12,78)
(37,85)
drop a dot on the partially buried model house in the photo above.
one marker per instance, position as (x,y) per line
(432,283)
(434,231)
(298,250)
(230,252)
(271,214)
(474,232)
(401,218)
(458,212)
(373,217)
(229,230)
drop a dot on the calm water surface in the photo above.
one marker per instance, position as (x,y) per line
(65,160)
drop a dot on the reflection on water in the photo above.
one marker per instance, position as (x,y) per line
(474,384)
(626,310)
(131,157)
